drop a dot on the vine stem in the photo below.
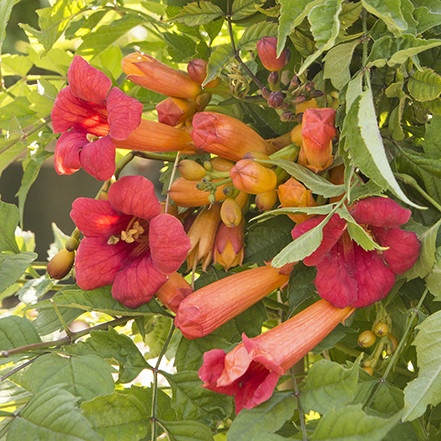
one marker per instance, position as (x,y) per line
(397,352)
(172,177)
(155,384)
(299,407)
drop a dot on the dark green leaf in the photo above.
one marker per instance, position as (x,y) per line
(254,33)
(432,139)
(213,28)
(427,13)
(117,417)
(111,345)
(266,418)
(217,60)
(244,8)
(389,11)
(301,286)
(17,331)
(193,402)
(13,266)
(180,47)
(52,415)
(86,377)
(327,386)
(5,12)
(186,430)
(351,423)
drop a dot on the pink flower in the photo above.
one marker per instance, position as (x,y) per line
(89,113)
(348,275)
(128,242)
(252,369)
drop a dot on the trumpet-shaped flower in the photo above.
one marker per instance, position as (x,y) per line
(128,242)
(90,113)
(252,369)
(347,274)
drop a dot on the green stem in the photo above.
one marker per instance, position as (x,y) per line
(299,407)
(274,304)
(122,163)
(413,183)
(155,384)
(61,318)
(172,178)
(155,156)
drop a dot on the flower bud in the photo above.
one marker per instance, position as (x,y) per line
(197,71)
(276,99)
(317,133)
(337,177)
(267,51)
(191,170)
(266,201)
(273,78)
(265,93)
(202,234)
(174,111)
(202,101)
(72,244)
(229,246)
(146,71)
(231,213)
(173,291)
(294,194)
(286,116)
(221,164)
(253,178)
(60,265)
(186,194)
(226,136)
(296,135)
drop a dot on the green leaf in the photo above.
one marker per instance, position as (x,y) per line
(12,267)
(427,13)
(426,389)
(19,109)
(54,20)
(301,247)
(105,36)
(86,377)
(52,415)
(432,138)
(5,12)
(213,28)
(301,286)
(9,217)
(327,386)
(325,24)
(217,60)
(433,279)
(15,64)
(10,150)
(425,84)
(363,142)
(389,11)
(350,423)
(193,402)
(118,417)
(101,300)
(110,345)
(254,33)
(180,47)
(292,13)
(312,181)
(156,335)
(197,13)
(32,290)
(186,430)
(264,419)
(244,8)
(337,62)
(17,331)
(265,239)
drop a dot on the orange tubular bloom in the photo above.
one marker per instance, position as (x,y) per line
(252,369)
(174,111)
(185,194)
(226,136)
(252,177)
(294,194)
(229,246)
(317,133)
(202,234)
(152,136)
(174,291)
(214,305)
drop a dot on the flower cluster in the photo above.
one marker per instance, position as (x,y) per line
(130,243)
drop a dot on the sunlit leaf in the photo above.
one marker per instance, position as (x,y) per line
(424,85)
(198,13)
(244,8)
(186,430)
(389,11)
(17,331)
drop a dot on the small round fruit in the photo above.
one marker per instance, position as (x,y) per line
(381,329)
(366,339)
(369,370)
(393,341)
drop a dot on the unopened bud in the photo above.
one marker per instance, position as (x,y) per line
(316,94)
(191,170)
(273,78)
(300,99)
(267,51)
(208,166)
(310,86)
(296,135)
(201,186)
(266,201)
(220,164)
(295,81)
(252,177)
(286,116)
(71,244)
(276,99)
(212,198)
(229,191)
(231,213)
(173,111)
(202,101)
(60,265)
(266,93)
(197,71)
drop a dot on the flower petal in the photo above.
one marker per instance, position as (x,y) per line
(97,263)
(379,212)
(137,284)
(169,244)
(261,356)
(332,232)
(88,83)
(71,112)
(135,195)
(98,158)
(67,152)
(404,248)
(96,218)
(124,114)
